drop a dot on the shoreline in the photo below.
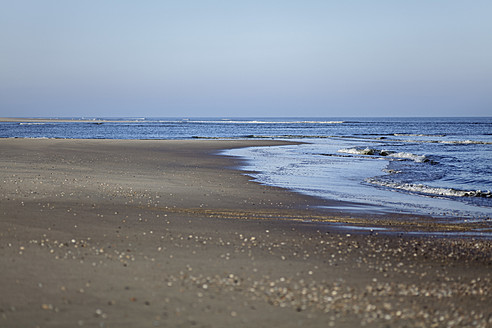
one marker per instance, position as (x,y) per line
(126,233)
(332,214)
(60,120)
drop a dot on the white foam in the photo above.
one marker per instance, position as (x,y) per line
(358,151)
(466,142)
(263,122)
(423,189)
(418,135)
(377,152)
(410,156)
(448,142)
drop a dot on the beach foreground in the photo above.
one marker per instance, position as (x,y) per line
(137,233)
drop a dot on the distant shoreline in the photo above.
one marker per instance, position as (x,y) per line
(59,120)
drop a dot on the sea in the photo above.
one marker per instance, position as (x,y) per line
(427,166)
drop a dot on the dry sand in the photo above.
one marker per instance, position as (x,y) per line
(107,233)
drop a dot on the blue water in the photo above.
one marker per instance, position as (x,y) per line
(436,166)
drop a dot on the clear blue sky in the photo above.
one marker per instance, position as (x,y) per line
(245,58)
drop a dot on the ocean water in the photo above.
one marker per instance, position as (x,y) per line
(433,166)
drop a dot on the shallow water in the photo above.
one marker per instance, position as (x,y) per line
(349,178)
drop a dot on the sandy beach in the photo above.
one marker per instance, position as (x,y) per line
(140,233)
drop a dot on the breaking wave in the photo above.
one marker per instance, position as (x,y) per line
(435,191)
(385,153)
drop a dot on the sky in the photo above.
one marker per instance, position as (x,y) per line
(211,58)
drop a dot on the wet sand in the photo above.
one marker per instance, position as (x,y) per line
(112,233)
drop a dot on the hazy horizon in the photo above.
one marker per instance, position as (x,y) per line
(223,117)
(246,59)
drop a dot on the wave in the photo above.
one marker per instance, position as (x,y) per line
(287,136)
(385,153)
(466,142)
(403,135)
(254,136)
(410,156)
(450,142)
(436,191)
(376,136)
(379,137)
(31,123)
(225,121)
(416,135)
